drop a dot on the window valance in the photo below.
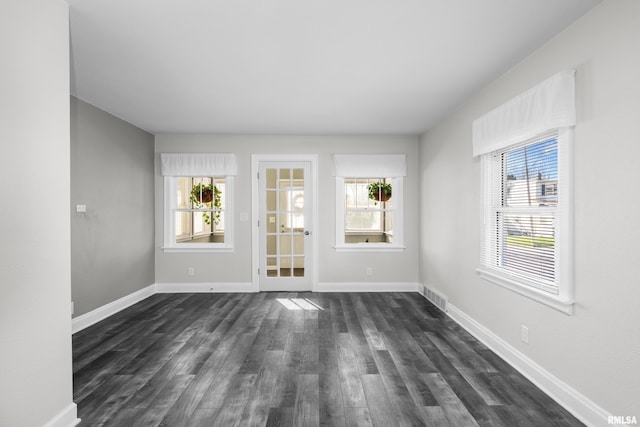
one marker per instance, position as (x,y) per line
(548,105)
(369,165)
(198,164)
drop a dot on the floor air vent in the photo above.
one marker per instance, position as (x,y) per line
(436,298)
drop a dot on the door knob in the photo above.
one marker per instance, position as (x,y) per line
(306,233)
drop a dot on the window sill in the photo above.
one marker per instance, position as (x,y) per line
(192,248)
(369,247)
(510,282)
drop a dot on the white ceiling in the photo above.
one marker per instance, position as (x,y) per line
(299,66)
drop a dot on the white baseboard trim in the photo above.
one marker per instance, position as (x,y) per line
(229,287)
(101,313)
(367,287)
(68,417)
(579,405)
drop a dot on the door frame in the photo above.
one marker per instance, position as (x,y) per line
(255,211)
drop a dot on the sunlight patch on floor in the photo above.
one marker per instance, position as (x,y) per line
(299,304)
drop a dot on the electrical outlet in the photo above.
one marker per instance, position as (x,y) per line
(524,334)
(369,271)
(191,271)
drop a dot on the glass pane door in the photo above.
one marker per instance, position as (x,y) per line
(283,225)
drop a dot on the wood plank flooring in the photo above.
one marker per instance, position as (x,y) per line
(289,359)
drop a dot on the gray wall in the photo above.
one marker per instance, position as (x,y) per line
(333,267)
(112,174)
(35,291)
(596,351)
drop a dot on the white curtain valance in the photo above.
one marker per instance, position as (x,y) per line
(549,105)
(369,165)
(198,164)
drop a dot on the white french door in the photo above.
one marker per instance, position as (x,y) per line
(285,226)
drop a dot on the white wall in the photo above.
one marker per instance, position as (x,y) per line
(112,174)
(35,292)
(596,351)
(333,267)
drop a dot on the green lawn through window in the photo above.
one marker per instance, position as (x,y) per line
(531,241)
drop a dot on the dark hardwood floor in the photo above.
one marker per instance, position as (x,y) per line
(286,359)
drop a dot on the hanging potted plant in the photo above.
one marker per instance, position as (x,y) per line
(379,191)
(207,196)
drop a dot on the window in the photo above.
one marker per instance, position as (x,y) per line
(200,209)
(520,239)
(368,218)
(526,242)
(198,201)
(369,207)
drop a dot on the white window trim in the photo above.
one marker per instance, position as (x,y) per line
(564,300)
(398,222)
(171,246)
(515,284)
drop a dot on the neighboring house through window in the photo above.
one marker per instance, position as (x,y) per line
(525,148)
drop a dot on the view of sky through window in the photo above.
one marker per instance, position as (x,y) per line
(539,160)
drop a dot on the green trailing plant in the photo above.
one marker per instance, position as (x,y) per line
(207,196)
(379,191)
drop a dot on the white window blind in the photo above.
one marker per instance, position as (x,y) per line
(522,198)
